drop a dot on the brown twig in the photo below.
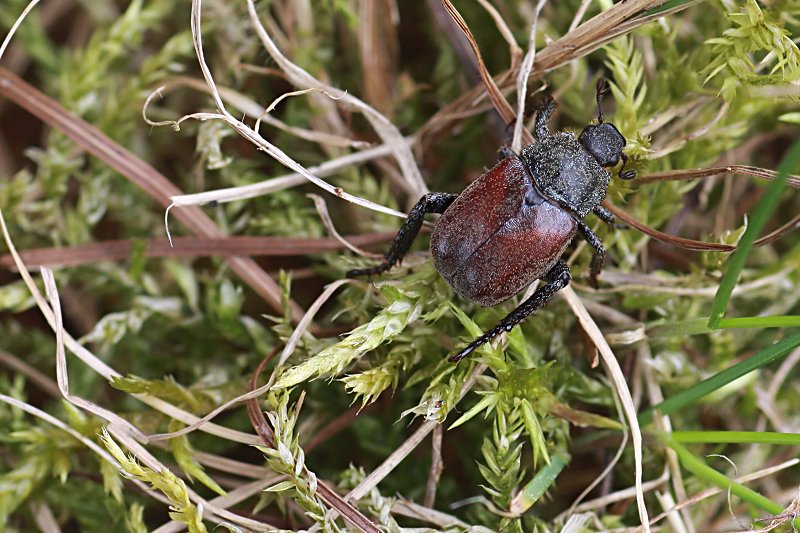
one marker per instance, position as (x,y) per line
(697,173)
(119,250)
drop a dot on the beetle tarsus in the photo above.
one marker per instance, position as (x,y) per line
(557,278)
(601,89)
(372,271)
(543,112)
(599,255)
(433,202)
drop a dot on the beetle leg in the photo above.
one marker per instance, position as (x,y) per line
(434,202)
(601,89)
(604,214)
(599,256)
(543,112)
(608,217)
(557,278)
(505,152)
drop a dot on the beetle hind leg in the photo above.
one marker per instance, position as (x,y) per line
(434,202)
(557,278)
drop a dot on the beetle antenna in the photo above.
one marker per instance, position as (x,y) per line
(601,90)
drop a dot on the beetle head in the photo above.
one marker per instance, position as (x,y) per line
(603,140)
(605,143)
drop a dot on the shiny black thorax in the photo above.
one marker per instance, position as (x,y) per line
(565,172)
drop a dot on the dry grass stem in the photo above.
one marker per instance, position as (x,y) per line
(234,497)
(33,375)
(435,471)
(515,52)
(322,209)
(143,175)
(44,517)
(287,181)
(652,284)
(396,457)
(93,252)
(15,26)
(383,127)
(621,388)
(309,316)
(522,80)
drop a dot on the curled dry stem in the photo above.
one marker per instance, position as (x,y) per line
(300,78)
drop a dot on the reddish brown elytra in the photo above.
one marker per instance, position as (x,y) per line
(511,225)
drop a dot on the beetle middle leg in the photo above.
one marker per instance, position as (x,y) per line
(557,278)
(605,215)
(434,202)
(599,255)
(608,217)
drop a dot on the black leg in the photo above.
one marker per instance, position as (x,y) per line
(605,215)
(599,255)
(505,152)
(601,89)
(608,217)
(543,112)
(434,202)
(557,279)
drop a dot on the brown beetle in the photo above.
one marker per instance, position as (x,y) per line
(511,225)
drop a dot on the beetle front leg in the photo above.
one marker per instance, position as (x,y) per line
(599,255)
(434,202)
(557,278)
(543,112)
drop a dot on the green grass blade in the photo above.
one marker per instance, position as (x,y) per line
(766,206)
(735,437)
(697,467)
(537,486)
(699,326)
(782,321)
(707,386)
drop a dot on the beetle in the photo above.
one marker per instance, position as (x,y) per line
(511,226)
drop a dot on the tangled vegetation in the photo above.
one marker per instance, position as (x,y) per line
(228,376)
